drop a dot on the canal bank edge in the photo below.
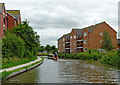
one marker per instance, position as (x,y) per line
(8,74)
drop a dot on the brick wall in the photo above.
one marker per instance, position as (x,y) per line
(73,42)
(95,37)
(11,22)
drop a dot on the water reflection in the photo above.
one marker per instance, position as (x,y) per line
(68,71)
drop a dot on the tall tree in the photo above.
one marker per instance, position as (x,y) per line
(42,48)
(107,43)
(30,37)
(48,48)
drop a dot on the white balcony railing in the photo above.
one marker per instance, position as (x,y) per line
(67,42)
(79,47)
(80,40)
(67,48)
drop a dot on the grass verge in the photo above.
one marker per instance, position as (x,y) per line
(6,63)
(6,73)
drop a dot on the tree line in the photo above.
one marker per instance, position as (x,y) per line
(21,41)
(48,48)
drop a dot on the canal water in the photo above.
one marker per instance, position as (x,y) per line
(68,71)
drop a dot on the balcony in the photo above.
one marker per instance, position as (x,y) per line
(80,40)
(67,48)
(80,46)
(67,41)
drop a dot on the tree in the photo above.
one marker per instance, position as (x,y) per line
(107,43)
(30,37)
(53,47)
(42,48)
(48,48)
(12,45)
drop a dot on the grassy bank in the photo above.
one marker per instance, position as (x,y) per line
(109,58)
(5,73)
(42,54)
(6,63)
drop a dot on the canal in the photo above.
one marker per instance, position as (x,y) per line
(67,71)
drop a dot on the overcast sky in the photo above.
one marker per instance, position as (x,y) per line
(53,18)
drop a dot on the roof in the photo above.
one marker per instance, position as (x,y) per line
(89,28)
(66,35)
(15,13)
(1,7)
(78,31)
(118,41)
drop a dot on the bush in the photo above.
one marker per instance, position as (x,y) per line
(12,45)
(111,58)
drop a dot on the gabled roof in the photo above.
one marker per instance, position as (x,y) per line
(89,28)
(78,31)
(66,35)
(1,7)
(15,13)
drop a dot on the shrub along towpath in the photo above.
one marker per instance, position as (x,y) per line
(20,66)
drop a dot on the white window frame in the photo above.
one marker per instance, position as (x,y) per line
(85,49)
(101,41)
(71,44)
(74,36)
(100,33)
(74,50)
(85,41)
(74,43)
(85,34)
(63,39)
(70,50)
(70,37)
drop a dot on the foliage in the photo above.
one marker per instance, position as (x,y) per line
(17,61)
(29,36)
(7,73)
(110,58)
(48,48)
(12,45)
(42,48)
(42,54)
(107,43)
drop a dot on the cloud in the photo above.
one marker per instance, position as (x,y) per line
(52,18)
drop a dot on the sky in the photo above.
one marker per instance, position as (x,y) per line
(53,18)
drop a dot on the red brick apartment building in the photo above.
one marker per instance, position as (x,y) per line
(8,19)
(118,43)
(80,40)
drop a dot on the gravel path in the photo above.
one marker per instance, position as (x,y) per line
(19,66)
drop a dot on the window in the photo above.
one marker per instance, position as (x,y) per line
(101,34)
(71,37)
(71,44)
(85,41)
(74,50)
(85,49)
(4,20)
(85,34)
(15,22)
(70,50)
(63,39)
(74,36)
(63,45)
(74,43)
(100,41)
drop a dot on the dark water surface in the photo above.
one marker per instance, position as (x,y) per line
(68,71)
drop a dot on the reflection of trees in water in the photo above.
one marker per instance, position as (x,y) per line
(79,71)
(118,76)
